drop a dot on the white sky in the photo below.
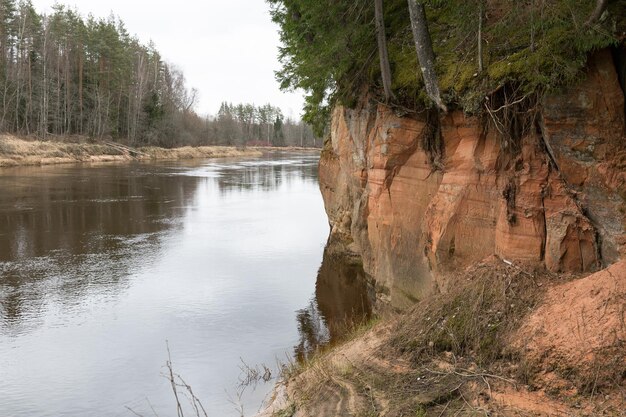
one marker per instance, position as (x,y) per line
(227,49)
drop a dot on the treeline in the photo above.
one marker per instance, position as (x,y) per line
(247,124)
(62,74)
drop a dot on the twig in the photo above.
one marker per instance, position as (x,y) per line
(179,408)
(470,374)
(238,404)
(152,408)
(195,401)
(504,106)
(133,411)
(444,409)
(488,386)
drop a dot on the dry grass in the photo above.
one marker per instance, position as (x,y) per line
(451,355)
(18,151)
(475,318)
(189,152)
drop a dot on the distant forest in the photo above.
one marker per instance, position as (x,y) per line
(64,75)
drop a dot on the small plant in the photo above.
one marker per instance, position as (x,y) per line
(420,411)
(286,412)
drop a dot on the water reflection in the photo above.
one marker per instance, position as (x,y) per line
(264,176)
(90,228)
(343,301)
(66,230)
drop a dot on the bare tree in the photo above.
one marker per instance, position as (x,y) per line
(385,69)
(43,129)
(425,54)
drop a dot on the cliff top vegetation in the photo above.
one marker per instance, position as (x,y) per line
(330,48)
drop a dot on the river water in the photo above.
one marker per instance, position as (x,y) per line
(101,265)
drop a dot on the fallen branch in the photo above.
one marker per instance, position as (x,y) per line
(466,373)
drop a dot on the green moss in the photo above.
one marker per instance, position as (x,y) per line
(536,47)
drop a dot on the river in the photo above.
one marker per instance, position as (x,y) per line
(101,265)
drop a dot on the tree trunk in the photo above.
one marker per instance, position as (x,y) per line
(68,92)
(597,12)
(58,121)
(29,107)
(19,55)
(480,36)
(44,104)
(385,69)
(80,87)
(425,54)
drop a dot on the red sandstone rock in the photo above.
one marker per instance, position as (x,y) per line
(410,221)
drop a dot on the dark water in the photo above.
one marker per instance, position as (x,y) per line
(99,266)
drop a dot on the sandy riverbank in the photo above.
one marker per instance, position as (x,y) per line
(16,151)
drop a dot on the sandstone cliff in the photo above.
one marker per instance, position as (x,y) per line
(511,253)
(414,213)
(506,255)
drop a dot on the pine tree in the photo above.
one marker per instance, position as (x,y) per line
(279,135)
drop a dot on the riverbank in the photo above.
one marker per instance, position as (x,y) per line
(494,345)
(15,151)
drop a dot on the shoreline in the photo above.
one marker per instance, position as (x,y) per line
(371,371)
(16,152)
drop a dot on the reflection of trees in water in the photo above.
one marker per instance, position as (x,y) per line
(343,300)
(68,234)
(66,212)
(79,229)
(312,329)
(267,177)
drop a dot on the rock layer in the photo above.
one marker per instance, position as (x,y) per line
(413,214)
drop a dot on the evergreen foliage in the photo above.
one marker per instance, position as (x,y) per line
(329,48)
(279,135)
(62,74)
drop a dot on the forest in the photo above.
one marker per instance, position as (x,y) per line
(62,75)
(247,124)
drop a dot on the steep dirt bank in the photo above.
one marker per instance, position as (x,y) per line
(16,151)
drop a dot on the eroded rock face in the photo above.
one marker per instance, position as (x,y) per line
(585,129)
(412,215)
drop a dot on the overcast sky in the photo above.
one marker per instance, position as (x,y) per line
(227,49)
